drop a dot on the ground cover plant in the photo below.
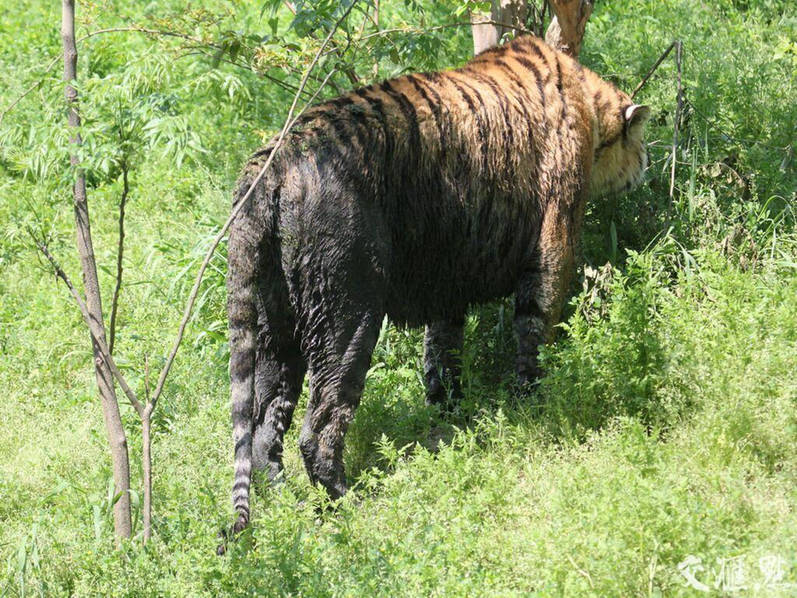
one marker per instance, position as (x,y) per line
(663,435)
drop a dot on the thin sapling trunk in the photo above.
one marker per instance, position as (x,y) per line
(110,406)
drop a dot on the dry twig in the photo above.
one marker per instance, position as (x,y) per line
(653,69)
(677,122)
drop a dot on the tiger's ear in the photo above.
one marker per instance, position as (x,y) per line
(636,116)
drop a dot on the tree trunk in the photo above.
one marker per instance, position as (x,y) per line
(566,30)
(110,407)
(487,35)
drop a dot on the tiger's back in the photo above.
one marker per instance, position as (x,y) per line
(415,198)
(461,163)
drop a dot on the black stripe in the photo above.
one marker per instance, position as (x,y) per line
(492,84)
(240,366)
(535,49)
(623,120)
(524,61)
(434,107)
(356,115)
(335,119)
(500,95)
(245,440)
(523,95)
(537,76)
(316,112)
(484,131)
(512,75)
(262,152)
(407,109)
(242,485)
(560,88)
(378,110)
(608,142)
(482,126)
(342,132)
(340,102)
(503,102)
(343,149)
(559,82)
(432,76)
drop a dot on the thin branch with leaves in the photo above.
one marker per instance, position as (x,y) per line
(95,325)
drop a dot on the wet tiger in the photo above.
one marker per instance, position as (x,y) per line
(412,198)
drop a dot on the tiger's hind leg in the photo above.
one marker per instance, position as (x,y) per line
(279,369)
(442,362)
(279,372)
(541,293)
(337,379)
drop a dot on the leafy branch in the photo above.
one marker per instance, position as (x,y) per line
(90,307)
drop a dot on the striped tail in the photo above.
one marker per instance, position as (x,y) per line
(243,259)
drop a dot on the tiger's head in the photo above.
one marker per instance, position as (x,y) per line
(620,155)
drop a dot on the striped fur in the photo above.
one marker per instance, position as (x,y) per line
(415,197)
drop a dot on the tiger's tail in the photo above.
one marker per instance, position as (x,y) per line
(244,257)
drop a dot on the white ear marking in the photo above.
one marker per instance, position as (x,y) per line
(636,112)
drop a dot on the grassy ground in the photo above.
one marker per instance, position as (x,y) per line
(665,433)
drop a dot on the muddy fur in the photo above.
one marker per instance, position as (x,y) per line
(415,198)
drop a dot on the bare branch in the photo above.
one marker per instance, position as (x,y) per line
(146,379)
(348,71)
(676,123)
(286,86)
(653,69)
(119,256)
(422,30)
(84,311)
(147,31)
(24,94)
(146,466)
(289,122)
(581,571)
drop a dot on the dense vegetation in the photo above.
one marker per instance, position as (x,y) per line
(667,426)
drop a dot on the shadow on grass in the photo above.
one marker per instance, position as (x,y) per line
(610,362)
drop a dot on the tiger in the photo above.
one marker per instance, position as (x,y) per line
(413,198)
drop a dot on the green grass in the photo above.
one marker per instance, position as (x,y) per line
(667,426)
(579,496)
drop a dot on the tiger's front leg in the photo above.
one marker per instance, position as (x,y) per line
(541,293)
(442,363)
